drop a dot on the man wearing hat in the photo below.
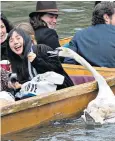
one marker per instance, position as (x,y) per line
(43,21)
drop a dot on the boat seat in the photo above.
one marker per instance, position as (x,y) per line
(81,79)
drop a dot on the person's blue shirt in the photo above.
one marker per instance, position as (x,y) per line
(96,44)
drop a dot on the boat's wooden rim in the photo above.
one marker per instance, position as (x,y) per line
(65,40)
(70,66)
(53,97)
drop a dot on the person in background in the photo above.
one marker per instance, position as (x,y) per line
(96,2)
(29,30)
(5,27)
(6,94)
(44,21)
(97,42)
(26,58)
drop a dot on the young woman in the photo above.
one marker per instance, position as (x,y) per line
(22,52)
(5,27)
(25,26)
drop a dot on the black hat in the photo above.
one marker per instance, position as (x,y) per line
(45,7)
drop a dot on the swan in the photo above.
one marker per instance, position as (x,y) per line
(102,108)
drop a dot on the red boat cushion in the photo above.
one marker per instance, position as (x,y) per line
(81,79)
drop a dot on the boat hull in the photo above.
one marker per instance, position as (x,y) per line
(43,109)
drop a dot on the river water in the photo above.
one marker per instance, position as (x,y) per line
(75,16)
(68,130)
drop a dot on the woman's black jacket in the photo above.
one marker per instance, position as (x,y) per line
(42,63)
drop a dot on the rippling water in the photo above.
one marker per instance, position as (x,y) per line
(76,15)
(70,130)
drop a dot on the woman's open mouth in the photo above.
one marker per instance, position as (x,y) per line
(17,48)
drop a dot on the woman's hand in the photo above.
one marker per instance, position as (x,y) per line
(31,56)
(15,85)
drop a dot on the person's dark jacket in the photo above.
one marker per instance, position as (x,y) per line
(47,36)
(96,44)
(9,26)
(42,63)
(4,54)
(96,2)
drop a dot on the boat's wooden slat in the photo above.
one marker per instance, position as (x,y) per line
(65,40)
(80,70)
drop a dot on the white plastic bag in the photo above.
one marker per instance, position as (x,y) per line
(50,77)
(42,83)
(7,96)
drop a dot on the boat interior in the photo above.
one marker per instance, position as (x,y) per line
(81,79)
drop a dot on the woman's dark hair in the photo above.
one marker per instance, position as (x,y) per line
(37,22)
(7,23)
(101,9)
(19,64)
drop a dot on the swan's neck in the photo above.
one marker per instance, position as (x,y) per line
(96,75)
(102,84)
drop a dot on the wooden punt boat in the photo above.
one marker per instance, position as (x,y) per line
(48,107)
(65,103)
